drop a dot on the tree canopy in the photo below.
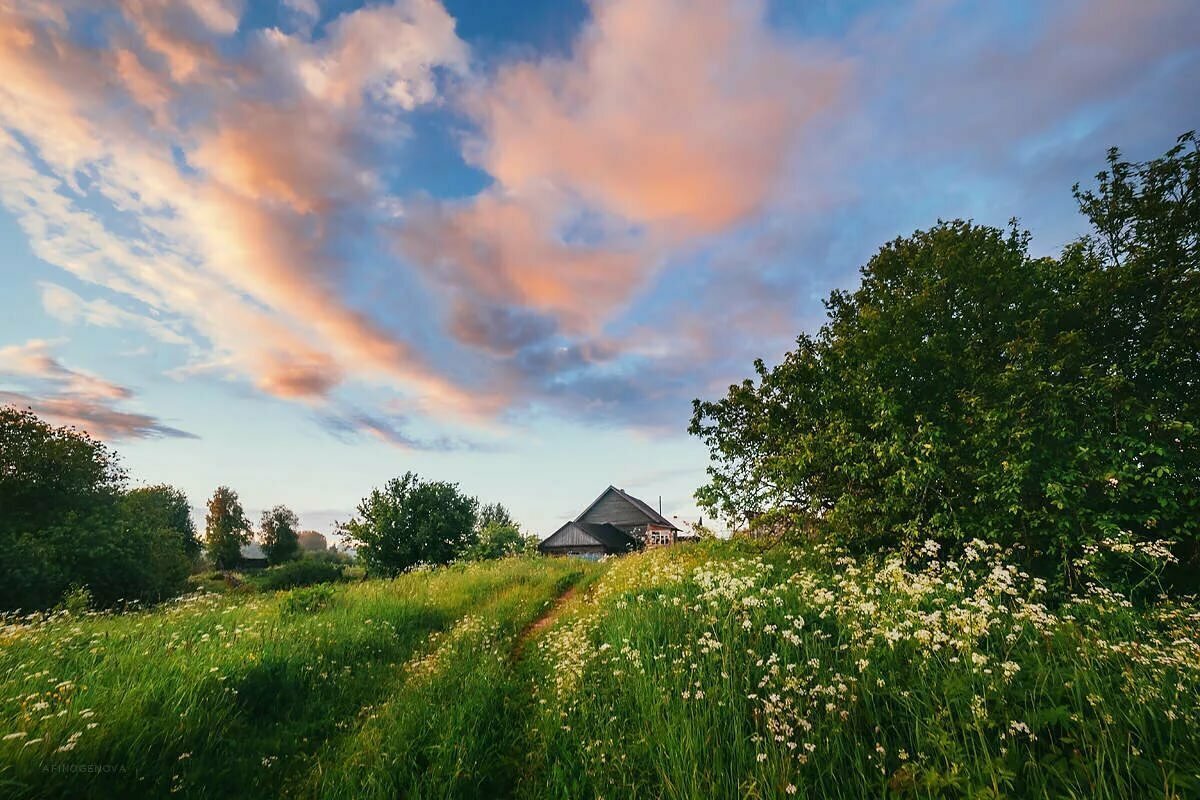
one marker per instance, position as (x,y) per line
(410,522)
(67,521)
(970,389)
(226,528)
(280,539)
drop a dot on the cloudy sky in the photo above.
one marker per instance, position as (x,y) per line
(300,246)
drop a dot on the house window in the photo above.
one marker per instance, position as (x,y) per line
(655,537)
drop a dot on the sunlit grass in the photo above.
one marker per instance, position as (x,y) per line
(717,670)
(226,696)
(716,673)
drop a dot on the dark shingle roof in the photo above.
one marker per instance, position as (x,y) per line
(574,534)
(609,535)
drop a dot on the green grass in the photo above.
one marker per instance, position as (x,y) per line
(718,670)
(227,696)
(725,671)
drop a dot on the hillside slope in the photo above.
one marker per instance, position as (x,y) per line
(715,670)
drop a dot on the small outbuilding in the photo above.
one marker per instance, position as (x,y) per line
(616,522)
(253,556)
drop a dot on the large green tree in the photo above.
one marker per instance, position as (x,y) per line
(280,539)
(411,521)
(165,508)
(66,521)
(226,528)
(47,471)
(968,389)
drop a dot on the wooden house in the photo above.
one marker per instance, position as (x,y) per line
(615,522)
(253,556)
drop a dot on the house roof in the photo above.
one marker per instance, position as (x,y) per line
(653,516)
(590,533)
(608,535)
(252,550)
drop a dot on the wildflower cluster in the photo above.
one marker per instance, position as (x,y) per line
(826,663)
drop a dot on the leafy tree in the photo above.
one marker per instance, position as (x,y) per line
(166,508)
(280,540)
(65,521)
(47,472)
(226,528)
(968,389)
(411,521)
(497,513)
(497,540)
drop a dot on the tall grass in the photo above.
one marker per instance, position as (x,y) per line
(453,726)
(716,670)
(222,696)
(725,672)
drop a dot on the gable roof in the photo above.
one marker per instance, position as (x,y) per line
(574,534)
(652,516)
(252,550)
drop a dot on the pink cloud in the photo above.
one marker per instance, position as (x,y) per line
(236,240)
(499,250)
(669,121)
(671,113)
(32,377)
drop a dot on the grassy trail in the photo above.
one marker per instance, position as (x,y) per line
(453,723)
(251,696)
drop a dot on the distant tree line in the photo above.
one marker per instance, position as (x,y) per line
(71,525)
(968,389)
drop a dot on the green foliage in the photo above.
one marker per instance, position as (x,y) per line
(280,540)
(226,529)
(412,522)
(970,390)
(48,473)
(66,521)
(77,601)
(301,572)
(499,540)
(308,600)
(496,513)
(164,508)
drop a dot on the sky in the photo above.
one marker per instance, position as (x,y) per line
(298,247)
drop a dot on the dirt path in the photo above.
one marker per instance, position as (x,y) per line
(544,621)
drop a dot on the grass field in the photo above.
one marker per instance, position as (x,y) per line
(716,670)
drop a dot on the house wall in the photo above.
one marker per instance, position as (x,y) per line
(569,535)
(583,551)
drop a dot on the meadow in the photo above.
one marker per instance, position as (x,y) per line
(723,669)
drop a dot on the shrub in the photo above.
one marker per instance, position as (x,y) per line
(77,601)
(308,600)
(497,540)
(304,572)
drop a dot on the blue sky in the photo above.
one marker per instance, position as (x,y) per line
(300,247)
